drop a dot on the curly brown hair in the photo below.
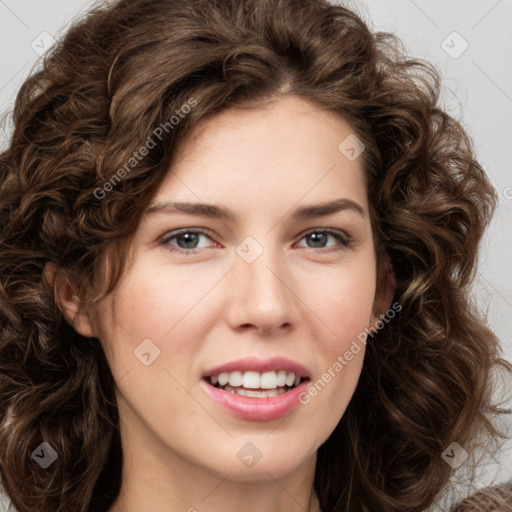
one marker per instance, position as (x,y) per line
(118,75)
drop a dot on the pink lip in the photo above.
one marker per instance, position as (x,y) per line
(259,365)
(256,409)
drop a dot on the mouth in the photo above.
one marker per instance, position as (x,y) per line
(255,389)
(255,384)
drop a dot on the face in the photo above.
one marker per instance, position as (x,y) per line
(260,291)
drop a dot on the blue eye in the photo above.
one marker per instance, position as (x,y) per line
(188,238)
(321,235)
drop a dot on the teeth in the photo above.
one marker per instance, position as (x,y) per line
(235,379)
(268,380)
(255,394)
(252,380)
(281,378)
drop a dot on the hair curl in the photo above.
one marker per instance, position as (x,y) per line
(124,70)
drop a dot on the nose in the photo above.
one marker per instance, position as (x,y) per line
(261,295)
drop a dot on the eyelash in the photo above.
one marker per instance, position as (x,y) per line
(346,241)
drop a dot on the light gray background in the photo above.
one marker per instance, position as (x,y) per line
(478,91)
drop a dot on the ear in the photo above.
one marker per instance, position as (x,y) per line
(67,300)
(386,287)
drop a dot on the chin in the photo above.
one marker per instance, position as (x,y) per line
(255,462)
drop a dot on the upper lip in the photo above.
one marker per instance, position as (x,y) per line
(260,366)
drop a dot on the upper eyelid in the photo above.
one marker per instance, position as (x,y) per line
(181,231)
(203,231)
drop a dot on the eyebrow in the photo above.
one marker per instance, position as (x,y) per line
(222,213)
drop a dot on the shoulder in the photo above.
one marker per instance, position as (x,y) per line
(495,499)
(5,502)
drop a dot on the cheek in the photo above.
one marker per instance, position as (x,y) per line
(344,305)
(343,301)
(161,306)
(157,301)
(176,308)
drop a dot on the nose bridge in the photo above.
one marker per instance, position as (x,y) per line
(261,288)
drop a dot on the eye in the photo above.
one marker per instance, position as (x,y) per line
(186,241)
(320,236)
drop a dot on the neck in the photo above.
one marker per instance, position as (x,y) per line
(157,478)
(144,490)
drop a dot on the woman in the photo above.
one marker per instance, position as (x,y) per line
(143,373)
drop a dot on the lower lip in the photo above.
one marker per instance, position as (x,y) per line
(256,409)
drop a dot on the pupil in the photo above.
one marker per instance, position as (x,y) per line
(189,238)
(316,237)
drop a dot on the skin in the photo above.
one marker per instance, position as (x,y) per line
(299,300)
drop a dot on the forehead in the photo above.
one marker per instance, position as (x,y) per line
(276,155)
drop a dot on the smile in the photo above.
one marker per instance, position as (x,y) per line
(256,384)
(261,394)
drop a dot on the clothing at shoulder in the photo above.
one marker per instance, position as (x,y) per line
(496,499)
(5,503)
